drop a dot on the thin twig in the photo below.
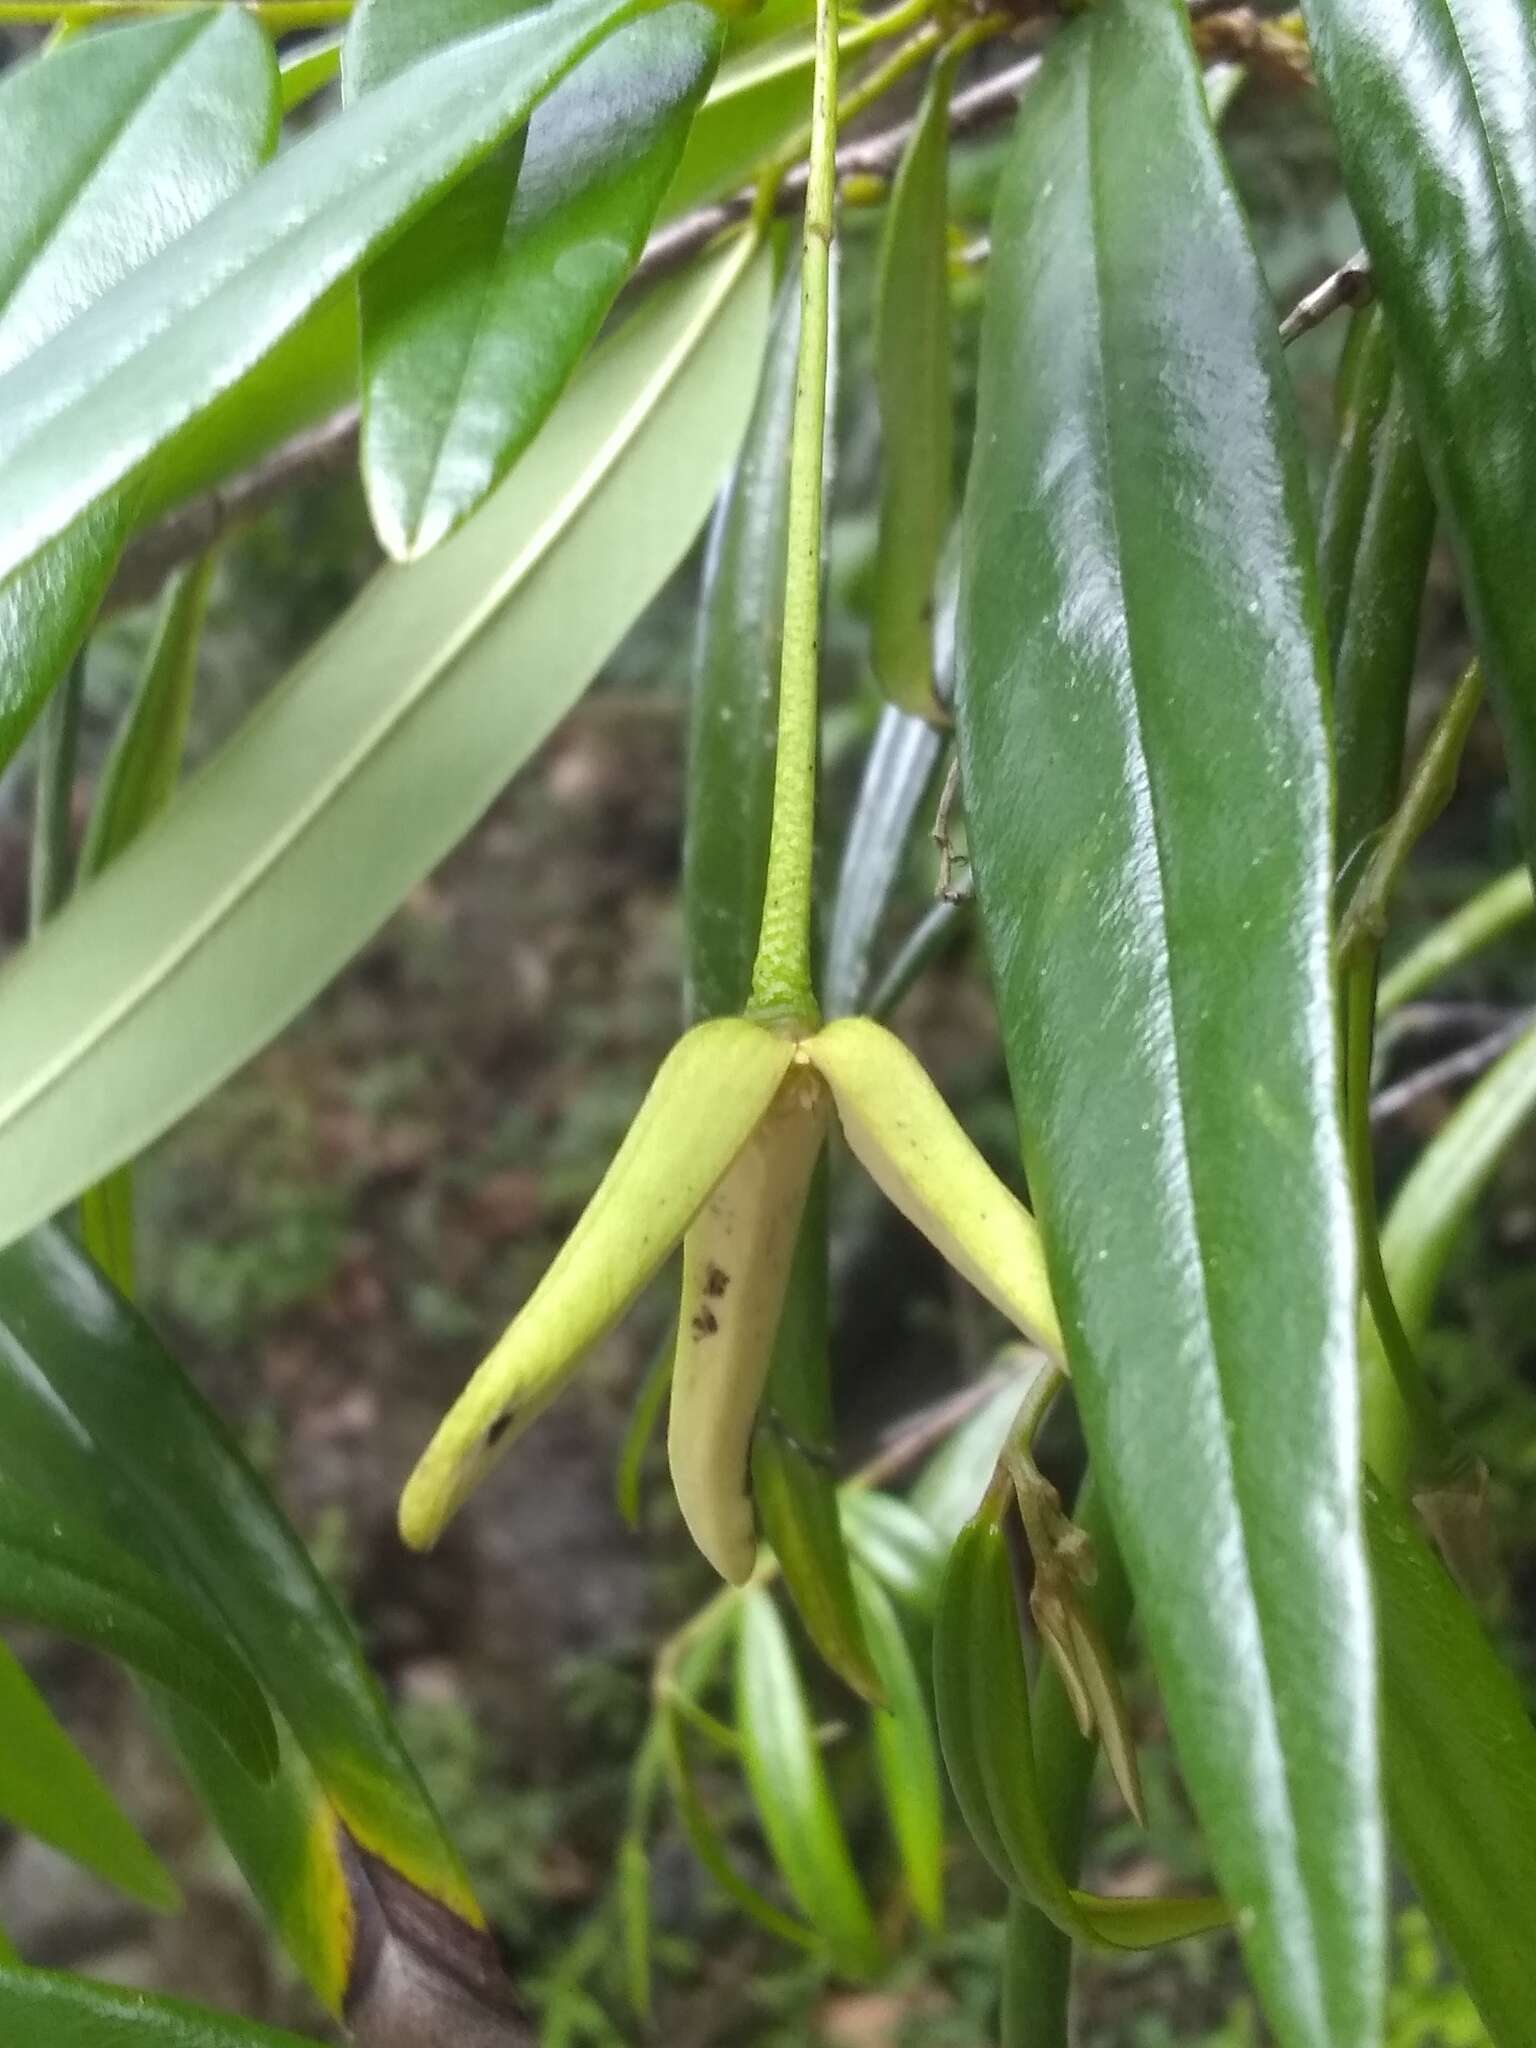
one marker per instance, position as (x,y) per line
(1463,1065)
(1350,285)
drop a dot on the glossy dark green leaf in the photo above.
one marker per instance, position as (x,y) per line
(188,325)
(57,1573)
(789,1787)
(734,694)
(1378,492)
(981,1694)
(912,377)
(1459,1758)
(419,705)
(1431,103)
(898,770)
(109,151)
(474,320)
(1141,713)
(99,1422)
(45,2009)
(906,1756)
(48,1788)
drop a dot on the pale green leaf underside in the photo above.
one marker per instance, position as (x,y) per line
(372,759)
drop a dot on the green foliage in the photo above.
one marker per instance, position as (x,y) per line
(1182,712)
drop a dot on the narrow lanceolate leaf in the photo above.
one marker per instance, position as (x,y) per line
(794,1464)
(897,771)
(1431,104)
(48,1789)
(57,1573)
(1378,523)
(220,921)
(1145,756)
(759,103)
(906,1756)
(109,150)
(790,1788)
(734,694)
(69,2012)
(1459,1757)
(912,370)
(184,328)
(142,769)
(342,1848)
(1428,1215)
(474,320)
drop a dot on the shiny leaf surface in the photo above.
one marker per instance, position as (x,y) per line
(898,769)
(98,1421)
(474,320)
(1431,103)
(109,150)
(1145,764)
(185,327)
(220,921)
(38,2006)
(56,1573)
(734,692)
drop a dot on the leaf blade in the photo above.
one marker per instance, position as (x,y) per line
(790,1789)
(1139,462)
(417,672)
(58,1574)
(108,151)
(126,376)
(48,1788)
(474,320)
(1431,109)
(69,2012)
(1460,1761)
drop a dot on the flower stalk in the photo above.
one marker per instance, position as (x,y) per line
(781,976)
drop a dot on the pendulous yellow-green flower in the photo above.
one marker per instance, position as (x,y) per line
(719,1158)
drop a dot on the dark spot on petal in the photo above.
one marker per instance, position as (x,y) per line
(716,1281)
(705,1323)
(497,1431)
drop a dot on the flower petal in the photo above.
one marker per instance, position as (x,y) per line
(711,1090)
(903,1134)
(736,1262)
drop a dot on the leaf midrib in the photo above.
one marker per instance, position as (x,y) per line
(565,516)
